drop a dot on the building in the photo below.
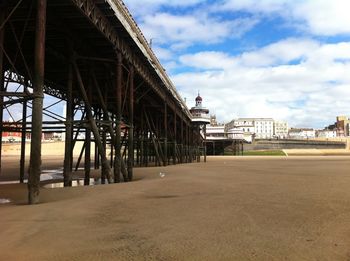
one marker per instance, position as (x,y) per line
(238,134)
(280,129)
(216,132)
(244,124)
(301,133)
(326,133)
(343,125)
(264,128)
(213,121)
(260,128)
(13,132)
(199,113)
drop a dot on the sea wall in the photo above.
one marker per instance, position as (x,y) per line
(294,144)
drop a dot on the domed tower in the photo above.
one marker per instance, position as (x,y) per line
(199,101)
(200,114)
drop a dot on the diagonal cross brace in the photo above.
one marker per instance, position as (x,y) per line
(105,165)
(110,128)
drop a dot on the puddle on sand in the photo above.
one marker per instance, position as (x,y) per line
(75,183)
(45,175)
(4,201)
(12,182)
(52,171)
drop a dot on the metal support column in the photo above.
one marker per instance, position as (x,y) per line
(214,148)
(37,111)
(165,134)
(118,156)
(23,142)
(131,125)
(182,140)
(2,86)
(87,159)
(205,142)
(142,137)
(187,143)
(87,156)
(198,143)
(175,137)
(68,155)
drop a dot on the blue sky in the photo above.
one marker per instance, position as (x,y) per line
(286,59)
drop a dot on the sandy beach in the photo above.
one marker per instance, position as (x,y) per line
(230,208)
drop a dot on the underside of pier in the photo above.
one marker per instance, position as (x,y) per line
(93,59)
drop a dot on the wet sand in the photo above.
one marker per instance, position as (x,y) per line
(243,208)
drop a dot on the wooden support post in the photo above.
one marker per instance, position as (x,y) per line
(23,143)
(131,125)
(37,110)
(2,85)
(165,162)
(118,158)
(94,129)
(68,155)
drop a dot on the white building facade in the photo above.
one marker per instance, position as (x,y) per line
(302,133)
(238,134)
(326,134)
(244,124)
(280,129)
(215,132)
(261,128)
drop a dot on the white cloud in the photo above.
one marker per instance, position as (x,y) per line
(208,60)
(282,52)
(181,31)
(324,17)
(319,17)
(162,53)
(310,92)
(144,7)
(253,6)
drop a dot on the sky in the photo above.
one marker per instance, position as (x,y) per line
(285,59)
